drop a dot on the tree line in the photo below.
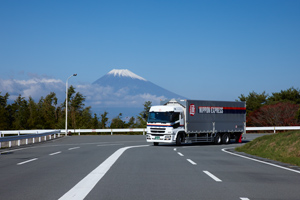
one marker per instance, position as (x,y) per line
(25,114)
(279,109)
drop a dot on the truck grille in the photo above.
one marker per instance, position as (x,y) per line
(157,130)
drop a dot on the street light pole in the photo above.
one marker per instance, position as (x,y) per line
(66,131)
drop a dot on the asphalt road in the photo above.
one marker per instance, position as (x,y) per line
(126,167)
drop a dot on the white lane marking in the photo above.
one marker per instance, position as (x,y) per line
(212,176)
(52,154)
(73,148)
(101,145)
(180,154)
(274,165)
(192,162)
(27,161)
(175,149)
(82,189)
(244,198)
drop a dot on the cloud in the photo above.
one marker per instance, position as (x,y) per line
(36,87)
(96,96)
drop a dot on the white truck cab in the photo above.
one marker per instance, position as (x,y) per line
(164,123)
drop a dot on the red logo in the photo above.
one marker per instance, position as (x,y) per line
(192,109)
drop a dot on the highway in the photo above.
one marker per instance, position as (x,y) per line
(126,167)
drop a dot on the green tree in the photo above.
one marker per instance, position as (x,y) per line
(75,106)
(291,95)
(48,111)
(117,122)
(20,113)
(4,112)
(131,123)
(103,120)
(84,118)
(143,116)
(34,120)
(254,101)
(95,122)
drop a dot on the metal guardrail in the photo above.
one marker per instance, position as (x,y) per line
(111,131)
(273,128)
(30,135)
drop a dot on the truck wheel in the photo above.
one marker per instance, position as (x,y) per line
(178,140)
(155,143)
(217,139)
(225,138)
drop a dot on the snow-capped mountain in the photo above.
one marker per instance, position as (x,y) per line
(122,91)
(123,80)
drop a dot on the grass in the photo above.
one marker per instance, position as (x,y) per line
(283,147)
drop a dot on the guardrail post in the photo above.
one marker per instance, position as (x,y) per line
(111,133)
(274,129)
(26,141)
(33,140)
(19,142)
(144,132)
(9,144)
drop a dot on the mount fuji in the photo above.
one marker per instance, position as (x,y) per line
(125,80)
(122,91)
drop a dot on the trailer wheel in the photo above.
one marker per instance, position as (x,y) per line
(217,139)
(155,143)
(225,138)
(178,139)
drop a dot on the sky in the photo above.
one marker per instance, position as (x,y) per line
(200,49)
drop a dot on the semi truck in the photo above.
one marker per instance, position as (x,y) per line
(194,121)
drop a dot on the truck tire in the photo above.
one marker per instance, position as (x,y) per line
(155,143)
(225,138)
(178,139)
(217,139)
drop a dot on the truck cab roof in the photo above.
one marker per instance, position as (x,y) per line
(169,108)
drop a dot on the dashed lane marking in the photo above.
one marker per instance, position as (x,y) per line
(52,154)
(27,161)
(180,154)
(212,176)
(192,162)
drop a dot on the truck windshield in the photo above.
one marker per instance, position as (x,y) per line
(163,117)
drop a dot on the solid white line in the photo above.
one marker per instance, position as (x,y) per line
(244,198)
(212,176)
(52,154)
(73,148)
(274,165)
(180,154)
(81,189)
(27,161)
(192,162)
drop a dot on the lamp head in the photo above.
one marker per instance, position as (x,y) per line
(74,74)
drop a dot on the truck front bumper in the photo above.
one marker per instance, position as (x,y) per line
(160,138)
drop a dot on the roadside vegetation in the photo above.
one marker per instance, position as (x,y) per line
(25,114)
(278,109)
(283,147)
